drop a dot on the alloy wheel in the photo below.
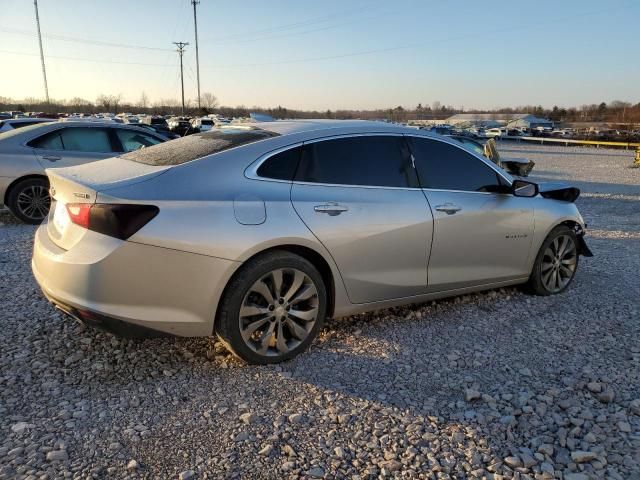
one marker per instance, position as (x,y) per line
(278,312)
(34,202)
(559,263)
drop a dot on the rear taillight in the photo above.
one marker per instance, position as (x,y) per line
(116,220)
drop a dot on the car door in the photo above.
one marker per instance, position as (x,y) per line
(480,234)
(73,145)
(359,196)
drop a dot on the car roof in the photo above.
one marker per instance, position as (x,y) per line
(289,127)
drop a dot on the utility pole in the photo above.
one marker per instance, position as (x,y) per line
(44,71)
(195,25)
(180,51)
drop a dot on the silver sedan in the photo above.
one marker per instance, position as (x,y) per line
(258,233)
(26,152)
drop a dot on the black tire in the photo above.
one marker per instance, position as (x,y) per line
(536,283)
(38,190)
(238,294)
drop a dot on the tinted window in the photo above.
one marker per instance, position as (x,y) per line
(367,160)
(132,140)
(448,167)
(50,141)
(86,140)
(199,145)
(23,124)
(281,166)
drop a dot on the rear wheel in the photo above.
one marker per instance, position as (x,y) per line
(272,309)
(29,200)
(556,263)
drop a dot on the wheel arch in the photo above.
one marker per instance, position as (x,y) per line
(20,179)
(309,254)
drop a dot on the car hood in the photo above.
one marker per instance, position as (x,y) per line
(559,191)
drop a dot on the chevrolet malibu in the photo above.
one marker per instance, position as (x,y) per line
(258,233)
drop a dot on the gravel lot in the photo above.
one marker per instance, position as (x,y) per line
(494,385)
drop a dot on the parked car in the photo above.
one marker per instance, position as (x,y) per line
(494,133)
(180,125)
(12,124)
(203,124)
(160,130)
(258,234)
(26,153)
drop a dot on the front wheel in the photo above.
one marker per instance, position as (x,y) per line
(272,309)
(556,263)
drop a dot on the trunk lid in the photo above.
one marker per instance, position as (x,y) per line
(81,185)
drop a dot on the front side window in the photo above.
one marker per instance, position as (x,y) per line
(281,166)
(85,139)
(381,161)
(447,167)
(132,140)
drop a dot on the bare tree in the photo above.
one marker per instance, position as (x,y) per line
(144,101)
(208,101)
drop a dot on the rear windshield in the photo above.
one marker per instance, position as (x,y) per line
(197,146)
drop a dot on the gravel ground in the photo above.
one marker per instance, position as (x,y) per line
(494,385)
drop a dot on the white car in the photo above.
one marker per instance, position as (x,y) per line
(494,133)
(203,124)
(13,123)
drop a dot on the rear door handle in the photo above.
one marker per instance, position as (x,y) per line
(448,208)
(331,208)
(52,158)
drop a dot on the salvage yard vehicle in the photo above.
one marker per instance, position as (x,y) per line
(257,234)
(25,153)
(520,167)
(7,125)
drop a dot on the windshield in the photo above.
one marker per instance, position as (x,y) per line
(197,146)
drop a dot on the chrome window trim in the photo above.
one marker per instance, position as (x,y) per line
(251,172)
(485,160)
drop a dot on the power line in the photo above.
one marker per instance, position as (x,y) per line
(64,38)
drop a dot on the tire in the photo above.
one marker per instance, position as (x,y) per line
(29,200)
(250,316)
(541,281)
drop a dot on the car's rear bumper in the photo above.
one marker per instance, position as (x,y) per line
(129,287)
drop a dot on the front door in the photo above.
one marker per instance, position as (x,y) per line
(359,197)
(480,234)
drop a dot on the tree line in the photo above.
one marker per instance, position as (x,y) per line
(613,112)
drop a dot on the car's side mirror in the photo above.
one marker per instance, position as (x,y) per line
(522,188)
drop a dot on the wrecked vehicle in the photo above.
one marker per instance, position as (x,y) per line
(520,167)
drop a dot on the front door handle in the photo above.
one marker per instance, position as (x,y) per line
(331,208)
(448,208)
(51,158)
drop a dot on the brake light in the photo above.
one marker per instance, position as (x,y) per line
(116,220)
(79,213)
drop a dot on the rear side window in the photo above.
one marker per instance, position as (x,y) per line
(50,141)
(381,161)
(447,167)
(23,124)
(197,146)
(281,166)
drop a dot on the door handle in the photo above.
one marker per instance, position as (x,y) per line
(331,208)
(51,158)
(448,208)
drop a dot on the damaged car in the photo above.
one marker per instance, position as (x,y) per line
(258,233)
(520,167)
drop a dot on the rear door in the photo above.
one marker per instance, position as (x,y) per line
(73,145)
(480,235)
(359,196)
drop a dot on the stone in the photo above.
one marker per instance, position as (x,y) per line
(471,394)
(316,472)
(186,475)
(296,418)
(513,462)
(581,456)
(132,465)
(248,418)
(57,455)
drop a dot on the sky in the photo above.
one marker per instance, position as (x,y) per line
(329,54)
